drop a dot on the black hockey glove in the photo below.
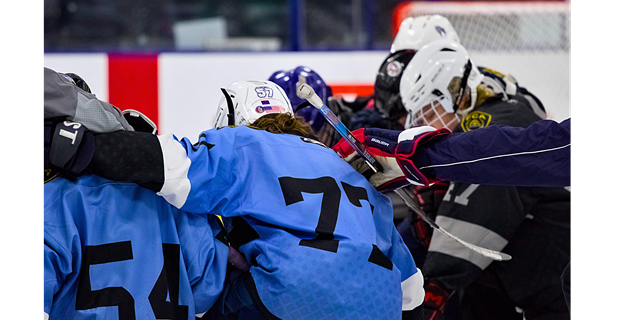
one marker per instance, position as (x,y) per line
(435,298)
(68,148)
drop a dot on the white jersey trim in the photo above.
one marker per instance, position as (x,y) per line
(493,157)
(413,291)
(176,167)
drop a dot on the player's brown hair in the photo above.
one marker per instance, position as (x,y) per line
(284,123)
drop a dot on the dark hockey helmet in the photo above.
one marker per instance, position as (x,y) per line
(387,84)
(288,81)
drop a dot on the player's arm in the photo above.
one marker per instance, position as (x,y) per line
(145,159)
(68,97)
(187,175)
(128,156)
(159,163)
(538,155)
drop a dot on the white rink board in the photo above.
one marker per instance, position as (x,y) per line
(189,83)
(197,78)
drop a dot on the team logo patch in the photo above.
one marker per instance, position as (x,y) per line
(394,68)
(266,106)
(476,120)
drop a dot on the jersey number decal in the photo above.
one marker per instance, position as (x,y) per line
(118,296)
(463,198)
(292,189)
(263,92)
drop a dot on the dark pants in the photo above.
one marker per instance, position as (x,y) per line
(235,302)
(485,299)
(239,300)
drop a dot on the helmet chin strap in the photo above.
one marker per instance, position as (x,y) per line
(231,108)
(463,113)
(461,94)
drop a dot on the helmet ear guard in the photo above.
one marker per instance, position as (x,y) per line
(231,108)
(461,93)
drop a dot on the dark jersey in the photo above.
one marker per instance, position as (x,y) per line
(532,224)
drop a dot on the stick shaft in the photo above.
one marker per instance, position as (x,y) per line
(347,135)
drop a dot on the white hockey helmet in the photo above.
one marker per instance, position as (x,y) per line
(430,73)
(417,32)
(245,101)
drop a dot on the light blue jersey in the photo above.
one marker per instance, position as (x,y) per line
(320,239)
(118,251)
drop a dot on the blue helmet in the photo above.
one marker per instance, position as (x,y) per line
(288,81)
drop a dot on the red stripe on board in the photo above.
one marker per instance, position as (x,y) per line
(358,89)
(132,81)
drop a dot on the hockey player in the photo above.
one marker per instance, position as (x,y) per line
(116,250)
(319,238)
(413,34)
(439,84)
(536,156)
(359,113)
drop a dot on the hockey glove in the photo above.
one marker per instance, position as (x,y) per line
(393,150)
(139,121)
(435,298)
(68,148)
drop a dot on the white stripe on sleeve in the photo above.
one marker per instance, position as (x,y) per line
(413,291)
(176,167)
(494,157)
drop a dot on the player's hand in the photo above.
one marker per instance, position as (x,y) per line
(393,150)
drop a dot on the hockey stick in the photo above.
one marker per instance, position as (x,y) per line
(305,91)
